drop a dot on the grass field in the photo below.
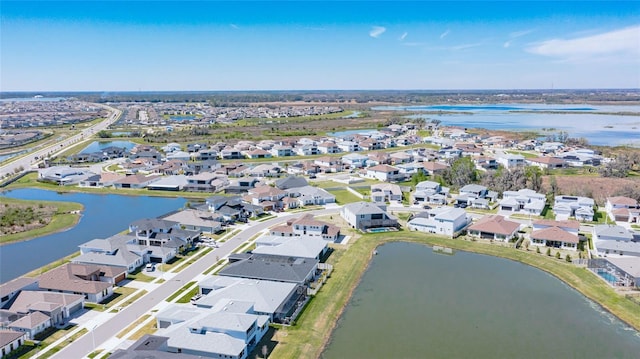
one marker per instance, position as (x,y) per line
(343,196)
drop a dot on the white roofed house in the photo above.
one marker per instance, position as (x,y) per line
(348,146)
(258,153)
(441,220)
(367,215)
(328,147)
(282,151)
(385,173)
(509,160)
(309,196)
(523,201)
(430,192)
(355,160)
(581,208)
(301,247)
(616,240)
(230,329)
(385,192)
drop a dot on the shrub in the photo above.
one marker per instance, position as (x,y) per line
(558,255)
(549,252)
(568,258)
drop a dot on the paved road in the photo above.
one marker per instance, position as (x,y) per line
(84,345)
(32,158)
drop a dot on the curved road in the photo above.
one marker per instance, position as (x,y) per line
(84,345)
(27,160)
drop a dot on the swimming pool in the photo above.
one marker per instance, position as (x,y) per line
(607,276)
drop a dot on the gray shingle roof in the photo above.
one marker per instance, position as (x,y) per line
(276,268)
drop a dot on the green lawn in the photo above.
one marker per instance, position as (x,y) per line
(343,196)
(180,291)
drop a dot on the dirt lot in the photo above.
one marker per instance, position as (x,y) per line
(598,188)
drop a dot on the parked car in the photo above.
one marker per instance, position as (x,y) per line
(195,298)
(150,267)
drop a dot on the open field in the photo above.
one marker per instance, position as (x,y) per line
(598,188)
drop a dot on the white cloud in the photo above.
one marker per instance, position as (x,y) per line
(507,44)
(377,31)
(234,26)
(403,36)
(516,34)
(594,47)
(442,36)
(465,46)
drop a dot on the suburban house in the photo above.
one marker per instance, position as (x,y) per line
(291,182)
(385,192)
(310,195)
(623,209)
(10,289)
(169,183)
(554,237)
(118,250)
(524,201)
(197,220)
(204,182)
(137,181)
(32,324)
(581,208)
(430,192)
(494,227)
(385,173)
(64,175)
(84,279)
(329,164)
(348,146)
(57,306)
(300,271)
(441,220)
(475,195)
(509,160)
(282,151)
(328,147)
(608,232)
(355,160)
(301,247)
(546,162)
(367,215)
(307,226)
(258,153)
(162,233)
(11,340)
(265,170)
(434,168)
(278,300)
(232,208)
(611,240)
(230,330)
(267,197)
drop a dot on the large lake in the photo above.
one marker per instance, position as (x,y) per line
(104,215)
(412,303)
(601,125)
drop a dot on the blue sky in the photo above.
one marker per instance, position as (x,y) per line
(292,45)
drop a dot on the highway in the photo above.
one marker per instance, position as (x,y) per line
(32,158)
(103,332)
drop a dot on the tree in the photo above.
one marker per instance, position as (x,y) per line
(558,255)
(549,252)
(461,173)
(568,258)
(537,249)
(418,177)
